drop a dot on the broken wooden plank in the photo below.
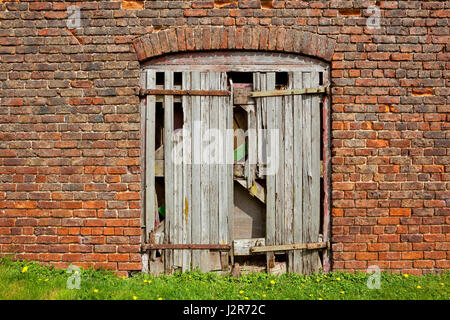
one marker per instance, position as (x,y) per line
(150,157)
(252,145)
(257,190)
(178,197)
(241,247)
(293,246)
(172,92)
(241,94)
(288,92)
(168,169)
(279,179)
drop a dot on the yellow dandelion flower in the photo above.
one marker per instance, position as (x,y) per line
(320,299)
(272,282)
(149,281)
(441,283)
(123,277)
(95,290)
(46,280)
(338,279)
(145,281)
(39,279)
(418,287)
(406,275)
(246,298)
(241,291)
(264,295)
(310,294)
(317,280)
(134,298)
(160,298)
(342,292)
(190,277)
(24,269)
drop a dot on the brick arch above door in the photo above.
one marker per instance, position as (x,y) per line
(205,38)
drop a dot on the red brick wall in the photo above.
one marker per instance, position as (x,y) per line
(69,122)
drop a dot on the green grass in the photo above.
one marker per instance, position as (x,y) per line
(42,282)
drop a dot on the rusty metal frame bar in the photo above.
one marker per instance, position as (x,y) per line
(184,246)
(289,247)
(144,92)
(273,93)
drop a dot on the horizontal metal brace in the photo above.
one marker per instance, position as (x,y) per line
(185,246)
(289,92)
(289,247)
(144,92)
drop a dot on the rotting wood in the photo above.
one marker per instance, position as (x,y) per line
(270,179)
(168,169)
(144,92)
(288,92)
(294,246)
(241,247)
(150,157)
(256,190)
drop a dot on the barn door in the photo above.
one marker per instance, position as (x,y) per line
(293,188)
(197,170)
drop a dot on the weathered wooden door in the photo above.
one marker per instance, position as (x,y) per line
(198,167)
(293,188)
(202,101)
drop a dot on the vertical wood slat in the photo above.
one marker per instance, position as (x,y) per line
(252,145)
(223,186)
(288,173)
(297,264)
(229,140)
(315,172)
(187,170)
(205,182)
(279,180)
(178,198)
(150,156)
(168,169)
(214,166)
(270,178)
(196,170)
(257,81)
